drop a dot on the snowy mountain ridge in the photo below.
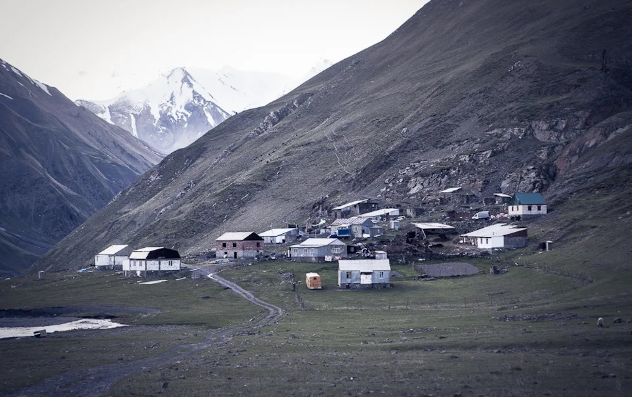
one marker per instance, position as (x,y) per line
(184,103)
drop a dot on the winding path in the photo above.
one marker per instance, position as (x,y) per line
(98,380)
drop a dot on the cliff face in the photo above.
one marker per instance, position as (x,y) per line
(493,96)
(59,165)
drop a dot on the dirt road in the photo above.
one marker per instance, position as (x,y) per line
(97,381)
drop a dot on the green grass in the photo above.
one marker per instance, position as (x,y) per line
(416,338)
(439,337)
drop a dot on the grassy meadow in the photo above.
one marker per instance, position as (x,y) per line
(531,331)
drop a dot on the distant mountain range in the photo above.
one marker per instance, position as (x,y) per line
(490,95)
(180,106)
(59,164)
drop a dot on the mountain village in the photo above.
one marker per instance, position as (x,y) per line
(359,236)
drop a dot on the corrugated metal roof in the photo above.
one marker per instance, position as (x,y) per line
(364,265)
(450,190)
(340,207)
(527,199)
(142,253)
(112,250)
(391,211)
(502,195)
(236,236)
(275,232)
(499,229)
(356,220)
(429,225)
(318,242)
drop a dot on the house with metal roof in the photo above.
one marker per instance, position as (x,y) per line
(364,273)
(383,213)
(279,236)
(499,235)
(524,205)
(112,257)
(318,250)
(150,259)
(354,208)
(356,226)
(239,245)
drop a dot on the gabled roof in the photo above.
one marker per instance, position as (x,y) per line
(356,220)
(275,232)
(364,265)
(384,211)
(341,207)
(527,199)
(239,236)
(112,250)
(155,253)
(499,229)
(318,242)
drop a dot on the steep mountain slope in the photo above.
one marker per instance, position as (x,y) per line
(179,107)
(487,94)
(59,165)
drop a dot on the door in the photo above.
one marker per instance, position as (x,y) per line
(235,255)
(366,278)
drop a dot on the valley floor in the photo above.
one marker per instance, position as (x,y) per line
(526,332)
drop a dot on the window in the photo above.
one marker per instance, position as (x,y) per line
(348,274)
(312,251)
(295,251)
(528,208)
(381,274)
(234,245)
(539,208)
(486,241)
(223,245)
(336,250)
(257,245)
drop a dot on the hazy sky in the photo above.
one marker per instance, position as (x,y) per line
(93,49)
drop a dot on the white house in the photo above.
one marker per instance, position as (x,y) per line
(319,249)
(279,236)
(113,257)
(524,205)
(364,273)
(500,235)
(153,259)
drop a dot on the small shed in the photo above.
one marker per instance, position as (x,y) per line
(312,281)
(113,257)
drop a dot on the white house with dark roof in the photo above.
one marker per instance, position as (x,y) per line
(524,205)
(113,257)
(318,250)
(239,245)
(500,235)
(364,273)
(153,259)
